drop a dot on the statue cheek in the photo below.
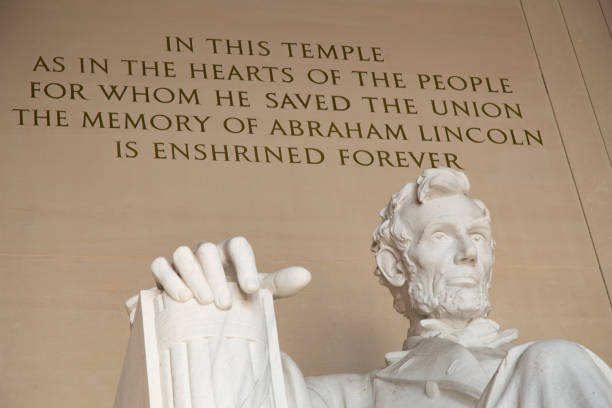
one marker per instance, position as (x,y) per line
(427,258)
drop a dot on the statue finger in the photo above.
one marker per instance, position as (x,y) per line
(190,270)
(169,280)
(286,282)
(239,253)
(209,258)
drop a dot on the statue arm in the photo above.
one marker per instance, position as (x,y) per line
(328,391)
(218,277)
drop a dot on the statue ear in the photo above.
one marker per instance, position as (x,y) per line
(390,266)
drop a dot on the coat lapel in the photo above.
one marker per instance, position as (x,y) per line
(434,360)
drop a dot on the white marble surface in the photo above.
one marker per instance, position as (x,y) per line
(435,253)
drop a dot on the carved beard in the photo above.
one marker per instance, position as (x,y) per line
(441,301)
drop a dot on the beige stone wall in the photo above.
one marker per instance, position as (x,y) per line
(80,226)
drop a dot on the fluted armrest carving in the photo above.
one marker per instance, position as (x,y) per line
(188,355)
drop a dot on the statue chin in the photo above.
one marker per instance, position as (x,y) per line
(450,302)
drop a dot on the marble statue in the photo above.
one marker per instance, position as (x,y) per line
(435,253)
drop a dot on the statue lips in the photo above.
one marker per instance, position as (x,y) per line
(463,281)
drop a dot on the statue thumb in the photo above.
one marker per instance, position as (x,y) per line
(286,282)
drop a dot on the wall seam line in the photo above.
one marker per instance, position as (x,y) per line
(586,87)
(571,170)
(603,14)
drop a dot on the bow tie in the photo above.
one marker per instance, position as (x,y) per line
(478,333)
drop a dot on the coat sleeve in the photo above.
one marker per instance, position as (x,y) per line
(329,391)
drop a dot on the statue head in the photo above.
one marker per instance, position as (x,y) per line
(434,249)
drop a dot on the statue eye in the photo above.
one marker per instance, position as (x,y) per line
(477,238)
(438,236)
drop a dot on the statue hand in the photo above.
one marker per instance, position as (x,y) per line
(205,272)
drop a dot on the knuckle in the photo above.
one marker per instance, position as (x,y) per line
(207,248)
(182,252)
(238,242)
(158,264)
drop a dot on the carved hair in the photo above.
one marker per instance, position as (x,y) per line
(393,234)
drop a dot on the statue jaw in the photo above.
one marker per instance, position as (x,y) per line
(448,301)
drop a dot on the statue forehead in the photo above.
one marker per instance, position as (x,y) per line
(457,208)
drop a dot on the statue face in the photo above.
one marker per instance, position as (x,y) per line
(452,254)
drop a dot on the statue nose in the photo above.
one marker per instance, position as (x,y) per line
(466,251)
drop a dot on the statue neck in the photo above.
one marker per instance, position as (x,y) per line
(446,324)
